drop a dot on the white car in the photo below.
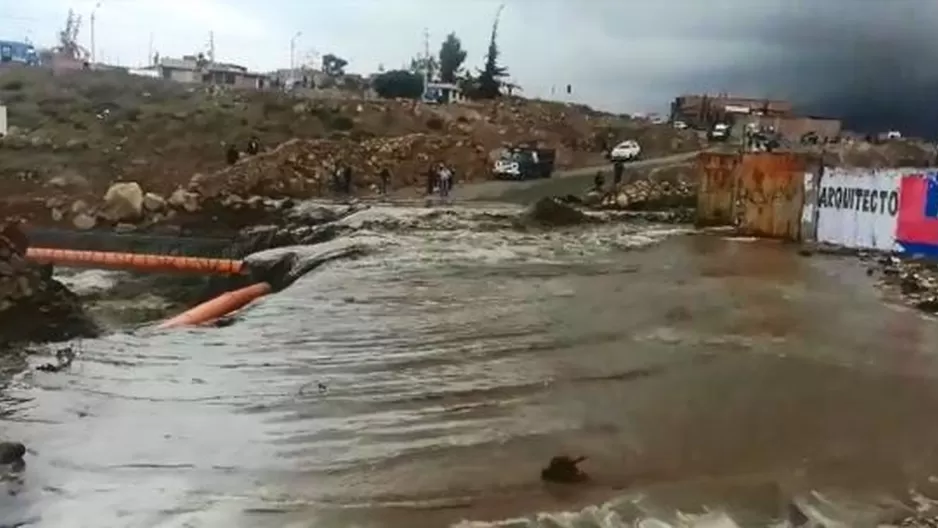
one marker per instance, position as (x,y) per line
(626,151)
(507,167)
(680,125)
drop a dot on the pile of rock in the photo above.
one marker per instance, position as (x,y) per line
(915,280)
(303,168)
(34,306)
(645,195)
(126,206)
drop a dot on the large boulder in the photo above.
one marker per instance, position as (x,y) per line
(123,202)
(185,200)
(34,306)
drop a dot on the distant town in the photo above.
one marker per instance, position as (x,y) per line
(737,115)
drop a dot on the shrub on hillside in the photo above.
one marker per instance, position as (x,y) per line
(398,84)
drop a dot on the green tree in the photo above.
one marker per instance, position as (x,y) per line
(451,58)
(490,77)
(398,84)
(333,65)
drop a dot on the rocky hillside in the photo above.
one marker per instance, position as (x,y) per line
(34,306)
(73,136)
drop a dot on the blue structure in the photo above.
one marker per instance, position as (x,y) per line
(18,52)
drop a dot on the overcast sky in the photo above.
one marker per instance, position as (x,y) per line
(861,58)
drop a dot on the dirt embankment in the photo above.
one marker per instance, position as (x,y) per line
(73,136)
(33,306)
(889,154)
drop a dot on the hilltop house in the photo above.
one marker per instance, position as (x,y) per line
(439,92)
(191,69)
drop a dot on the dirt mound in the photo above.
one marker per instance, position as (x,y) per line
(33,306)
(304,168)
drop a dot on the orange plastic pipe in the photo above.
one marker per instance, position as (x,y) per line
(220,306)
(134,261)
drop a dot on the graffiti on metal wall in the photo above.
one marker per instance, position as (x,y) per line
(716,192)
(858,208)
(771,195)
(917,223)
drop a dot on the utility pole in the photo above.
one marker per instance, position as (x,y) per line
(93,50)
(293,57)
(211,47)
(426,59)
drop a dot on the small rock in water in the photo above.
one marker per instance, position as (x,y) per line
(563,469)
(11,452)
(554,213)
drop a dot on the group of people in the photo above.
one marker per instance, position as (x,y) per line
(232,154)
(342,180)
(440,180)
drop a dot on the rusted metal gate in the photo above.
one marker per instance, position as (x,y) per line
(770,193)
(716,195)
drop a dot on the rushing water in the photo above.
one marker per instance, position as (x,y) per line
(427,382)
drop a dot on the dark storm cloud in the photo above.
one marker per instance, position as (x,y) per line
(871,62)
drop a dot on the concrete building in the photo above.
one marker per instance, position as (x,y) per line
(793,128)
(704,110)
(443,93)
(190,69)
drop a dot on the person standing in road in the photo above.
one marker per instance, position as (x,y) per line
(431,181)
(232,154)
(617,170)
(445,181)
(599,181)
(254,146)
(336,179)
(385,176)
(347,180)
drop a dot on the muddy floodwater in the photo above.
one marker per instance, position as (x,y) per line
(428,382)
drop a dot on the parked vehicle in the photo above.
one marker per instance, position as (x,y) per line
(18,52)
(628,150)
(680,125)
(524,163)
(719,132)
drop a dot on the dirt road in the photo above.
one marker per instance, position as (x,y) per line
(561,183)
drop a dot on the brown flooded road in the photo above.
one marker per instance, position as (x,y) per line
(456,362)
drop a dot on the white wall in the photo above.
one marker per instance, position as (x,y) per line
(857,208)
